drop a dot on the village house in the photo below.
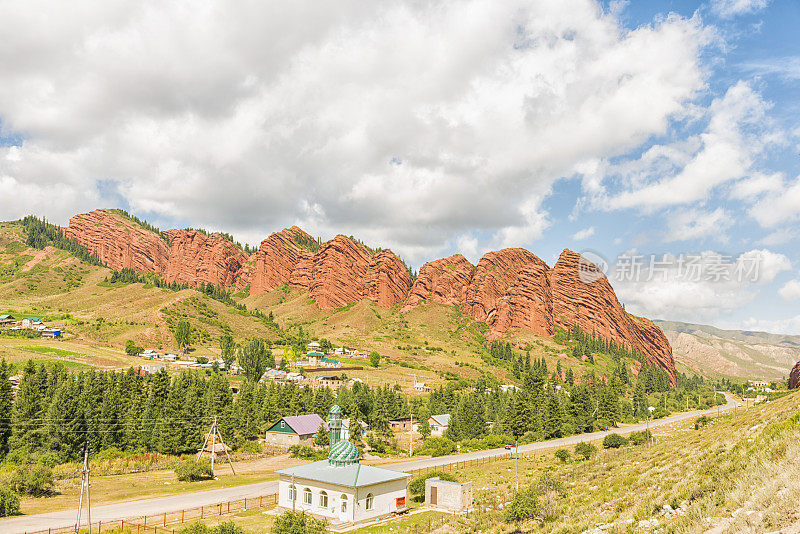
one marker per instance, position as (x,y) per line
(340,488)
(294,430)
(420,386)
(51,333)
(31,323)
(330,362)
(439,424)
(330,381)
(7,320)
(402,424)
(313,346)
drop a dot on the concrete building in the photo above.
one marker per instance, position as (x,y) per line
(294,430)
(450,496)
(340,488)
(439,424)
(330,381)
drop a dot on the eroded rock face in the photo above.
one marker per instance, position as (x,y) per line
(594,306)
(339,273)
(119,242)
(278,257)
(442,281)
(388,281)
(794,376)
(195,257)
(510,289)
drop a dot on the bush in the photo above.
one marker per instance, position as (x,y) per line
(192,470)
(228,527)
(438,447)
(417,486)
(638,438)
(9,502)
(614,441)
(563,455)
(585,450)
(524,506)
(305,452)
(299,522)
(539,501)
(374,358)
(35,480)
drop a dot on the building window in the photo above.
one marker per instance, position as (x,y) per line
(369,501)
(292,493)
(307,496)
(344,503)
(323,499)
(283,424)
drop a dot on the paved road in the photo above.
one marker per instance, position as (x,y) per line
(160,505)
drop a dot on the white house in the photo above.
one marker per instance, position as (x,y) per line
(439,424)
(340,488)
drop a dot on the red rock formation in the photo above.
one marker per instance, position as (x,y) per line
(276,259)
(442,281)
(119,242)
(510,289)
(595,307)
(794,376)
(339,273)
(388,281)
(196,257)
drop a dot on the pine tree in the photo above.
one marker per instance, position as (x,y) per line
(6,403)
(228,348)
(29,409)
(518,416)
(554,419)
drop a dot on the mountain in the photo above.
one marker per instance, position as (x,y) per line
(510,289)
(713,351)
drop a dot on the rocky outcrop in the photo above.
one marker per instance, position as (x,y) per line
(510,289)
(593,306)
(339,273)
(388,280)
(278,257)
(196,258)
(442,281)
(119,242)
(794,376)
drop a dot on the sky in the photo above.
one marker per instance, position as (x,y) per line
(658,138)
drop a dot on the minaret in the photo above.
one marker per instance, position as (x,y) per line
(334,426)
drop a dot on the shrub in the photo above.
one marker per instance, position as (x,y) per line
(192,470)
(9,502)
(374,358)
(702,421)
(296,522)
(228,527)
(638,438)
(305,452)
(523,507)
(563,455)
(539,501)
(417,486)
(438,447)
(36,480)
(585,450)
(614,441)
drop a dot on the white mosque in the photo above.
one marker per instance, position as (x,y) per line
(340,488)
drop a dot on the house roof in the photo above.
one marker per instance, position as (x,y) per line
(330,360)
(352,475)
(314,353)
(6,316)
(304,424)
(33,318)
(442,419)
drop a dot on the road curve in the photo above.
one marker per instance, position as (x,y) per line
(173,503)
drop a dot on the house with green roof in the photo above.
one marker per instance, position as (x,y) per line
(340,488)
(294,430)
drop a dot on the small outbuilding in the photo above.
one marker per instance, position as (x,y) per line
(439,424)
(447,495)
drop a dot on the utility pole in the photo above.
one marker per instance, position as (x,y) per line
(516,462)
(411,438)
(84,482)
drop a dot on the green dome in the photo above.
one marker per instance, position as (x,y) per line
(343,453)
(336,409)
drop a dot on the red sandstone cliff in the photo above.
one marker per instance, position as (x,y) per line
(119,242)
(594,306)
(195,257)
(794,376)
(388,281)
(278,257)
(442,281)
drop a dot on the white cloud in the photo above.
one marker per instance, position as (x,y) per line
(732,8)
(692,287)
(753,186)
(687,170)
(790,290)
(378,120)
(789,326)
(780,206)
(586,233)
(696,224)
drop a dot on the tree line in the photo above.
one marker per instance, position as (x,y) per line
(39,234)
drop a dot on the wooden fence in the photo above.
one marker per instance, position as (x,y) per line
(169,523)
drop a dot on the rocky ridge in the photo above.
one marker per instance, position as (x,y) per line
(509,288)
(794,376)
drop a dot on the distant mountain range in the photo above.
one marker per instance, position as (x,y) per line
(712,351)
